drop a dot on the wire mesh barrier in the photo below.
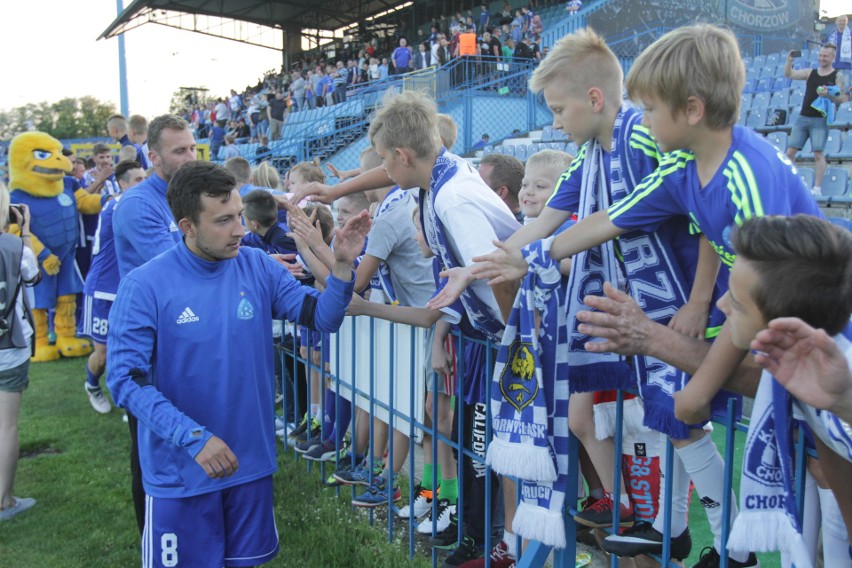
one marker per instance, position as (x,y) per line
(382,370)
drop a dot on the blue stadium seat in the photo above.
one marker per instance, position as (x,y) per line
(764,85)
(743,116)
(745,101)
(758,61)
(845,152)
(832,143)
(559,135)
(522,152)
(760,101)
(571,148)
(843,117)
(509,149)
(547,134)
(767,71)
(781,83)
(756,118)
(500,149)
(749,85)
(487,150)
(808,176)
(776,58)
(780,98)
(556,146)
(834,183)
(840,222)
(779,140)
(776,119)
(797,96)
(747,61)
(800,63)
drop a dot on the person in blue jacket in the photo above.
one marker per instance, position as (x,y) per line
(190,345)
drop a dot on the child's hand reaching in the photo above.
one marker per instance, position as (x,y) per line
(504,264)
(691,319)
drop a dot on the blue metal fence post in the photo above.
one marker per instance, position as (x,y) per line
(728,484)
(122,66)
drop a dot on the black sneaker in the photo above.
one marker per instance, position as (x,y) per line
(466,551)
(308,445)
(710,559)
(300,429)
(642,538)
(314,431)
(449,537)
(324,451)
(598,515)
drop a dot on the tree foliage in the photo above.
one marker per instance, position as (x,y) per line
(82,117)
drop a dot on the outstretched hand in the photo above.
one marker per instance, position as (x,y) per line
(314,191)
(806,361)
(691,319)
(217,459)
(349,240)
(289,262)
(619,321)
(504,264)
(458,279)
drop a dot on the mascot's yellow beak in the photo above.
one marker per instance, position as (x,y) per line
(36,158)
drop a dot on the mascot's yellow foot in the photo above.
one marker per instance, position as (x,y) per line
(45,353)
(73,346)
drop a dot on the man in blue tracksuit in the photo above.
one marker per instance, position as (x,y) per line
(191,354)
(143,227)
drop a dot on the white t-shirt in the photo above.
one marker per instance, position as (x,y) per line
(473,217)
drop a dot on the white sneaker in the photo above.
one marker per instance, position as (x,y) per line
(98,399)
(21,505)
(422,505)
(444,512)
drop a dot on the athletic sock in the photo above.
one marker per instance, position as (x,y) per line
(450,490)
(329,414)
(625,499)
(511,543)
(705,467)
(680,496)
(597,493)
(92,379)
(315,410)
(835,540)
(343,418)
(426,481)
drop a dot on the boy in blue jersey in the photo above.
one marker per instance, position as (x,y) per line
(714,182)
(262,221)
(101,285)
(192,361)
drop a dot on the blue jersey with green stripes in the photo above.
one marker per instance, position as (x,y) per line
(638,150)
(754,180)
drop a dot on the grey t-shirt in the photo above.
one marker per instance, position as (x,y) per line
(391,239)
(298,88)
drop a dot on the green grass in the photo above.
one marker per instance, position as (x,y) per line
(75,463)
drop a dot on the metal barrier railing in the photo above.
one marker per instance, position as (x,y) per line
(367,339)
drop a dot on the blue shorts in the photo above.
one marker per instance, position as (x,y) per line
(314,340)
(813,127)
(232,527)
(95,321)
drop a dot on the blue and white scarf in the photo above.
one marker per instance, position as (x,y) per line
(529,400)
(843,43)
(442,172)
(769,518)
(589,270)
(381,280)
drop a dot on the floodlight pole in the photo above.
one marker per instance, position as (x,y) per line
(122,65)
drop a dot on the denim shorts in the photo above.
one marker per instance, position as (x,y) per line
(813,127)
(15,379)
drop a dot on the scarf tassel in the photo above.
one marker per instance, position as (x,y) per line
(524,461)
(662,419)
(537,523)
(768,531)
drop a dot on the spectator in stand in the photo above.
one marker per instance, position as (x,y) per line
(528,14)
(230,148)
(443,51)
(276,112)
(217,139)
(813,120)
(423,58)
(297,91)
(523,51)
(253,115)
(401,57)
(374,73)
(222,111)
(78,168)
(327,85)
(517,27)
(241,131)
(842,38)
(264,175)
(482,143)
(535,44)
(383,69)
(340,78)
(137,132)
(235,104)
(353,73)
(311,83)
(484,17)
(537,25)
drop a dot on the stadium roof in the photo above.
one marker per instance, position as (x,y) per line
(279,14)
